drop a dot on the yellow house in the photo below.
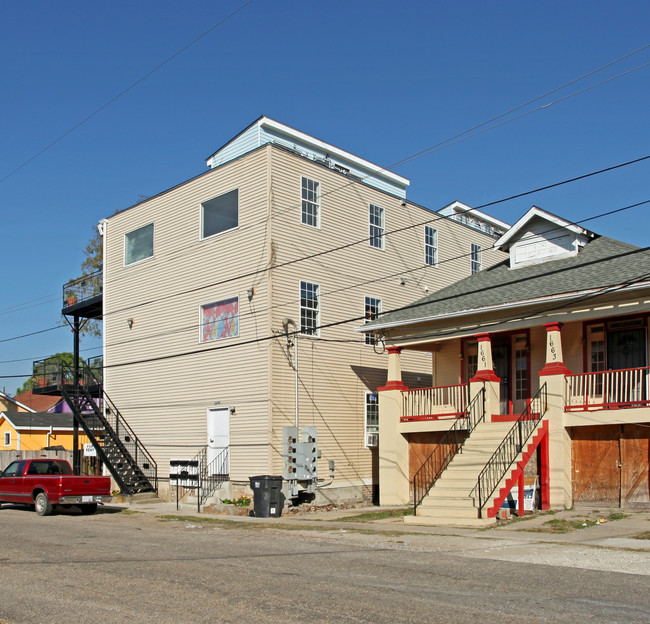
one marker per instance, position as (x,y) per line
(7,404)
(35,431)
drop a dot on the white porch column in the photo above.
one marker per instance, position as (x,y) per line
(561,494)
(485,377)
(393,446)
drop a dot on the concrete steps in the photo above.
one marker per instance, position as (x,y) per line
(449,501)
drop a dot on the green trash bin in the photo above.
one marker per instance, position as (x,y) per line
(268,499)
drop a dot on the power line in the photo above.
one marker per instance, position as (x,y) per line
(124,91)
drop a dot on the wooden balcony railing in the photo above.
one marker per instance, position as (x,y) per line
(614,389)
(434,403)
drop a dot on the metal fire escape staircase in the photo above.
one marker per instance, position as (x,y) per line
(122,453)
(126,458)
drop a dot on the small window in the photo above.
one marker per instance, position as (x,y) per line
(220,320)
(138,244)
(475,258)
(373,310)
(310,202)
(372,419)
(7,438)
(377,226)
(309,308)
(220,214)
(430,246)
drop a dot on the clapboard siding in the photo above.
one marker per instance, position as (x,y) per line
(166,400)
(334,376)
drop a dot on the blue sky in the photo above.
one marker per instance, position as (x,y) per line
(380,79)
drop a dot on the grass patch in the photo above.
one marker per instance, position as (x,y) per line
(372,516)
(125,512)
(642,536)
(279,526)
(564,525)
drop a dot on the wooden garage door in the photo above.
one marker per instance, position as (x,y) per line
(610,464)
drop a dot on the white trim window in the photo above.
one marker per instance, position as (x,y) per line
(430,246)
(476,260)
(371,420)
(310,196)
(220,214)
(138,244)
(309,308)
(377,217)
(372,311)
(7,438)
(219,320)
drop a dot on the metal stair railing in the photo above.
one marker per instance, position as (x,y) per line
(127,459)
(506,454)
(213,474)
(450,444)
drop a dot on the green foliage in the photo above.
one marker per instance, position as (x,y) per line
(41,369)
(242,501)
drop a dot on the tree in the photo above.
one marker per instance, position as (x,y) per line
(93,262)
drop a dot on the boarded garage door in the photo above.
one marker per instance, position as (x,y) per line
(610,464)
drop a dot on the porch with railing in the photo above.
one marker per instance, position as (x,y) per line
(434,403)
(615,389)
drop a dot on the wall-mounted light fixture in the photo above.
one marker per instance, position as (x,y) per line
(250,292)
(130,322)
(402,281)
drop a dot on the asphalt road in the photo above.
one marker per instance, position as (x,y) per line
(136,567)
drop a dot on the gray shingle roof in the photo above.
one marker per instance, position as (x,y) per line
(40,420)
(603,262)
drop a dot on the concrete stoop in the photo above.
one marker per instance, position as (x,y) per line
(448,503)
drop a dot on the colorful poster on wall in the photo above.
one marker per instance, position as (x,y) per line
(220,320)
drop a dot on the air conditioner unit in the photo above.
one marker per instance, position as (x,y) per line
(372,439)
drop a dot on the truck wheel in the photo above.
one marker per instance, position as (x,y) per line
(42,504)
(88,510)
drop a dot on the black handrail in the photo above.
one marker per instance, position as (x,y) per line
(82,289)
(118,433)
(506,454)
(450,444)
(213,474)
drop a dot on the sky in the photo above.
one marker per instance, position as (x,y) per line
(103,104)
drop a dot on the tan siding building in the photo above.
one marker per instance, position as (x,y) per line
(199,282)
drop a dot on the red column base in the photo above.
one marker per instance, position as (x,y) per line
(555,368)
(393,385)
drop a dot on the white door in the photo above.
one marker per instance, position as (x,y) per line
(218,437)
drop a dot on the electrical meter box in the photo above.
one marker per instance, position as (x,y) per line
(290,445)
(300,453)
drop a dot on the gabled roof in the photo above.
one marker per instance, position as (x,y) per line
(519,228)
(22,421)
(38,402)
(603,263)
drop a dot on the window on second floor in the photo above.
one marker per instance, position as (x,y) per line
(373,309)
(430,246)
(7,438)
(475,258)
(377,226)
(220,214)
(310,195)
(309,308)
(138,244)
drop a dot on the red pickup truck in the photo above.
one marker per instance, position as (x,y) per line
(47,482)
